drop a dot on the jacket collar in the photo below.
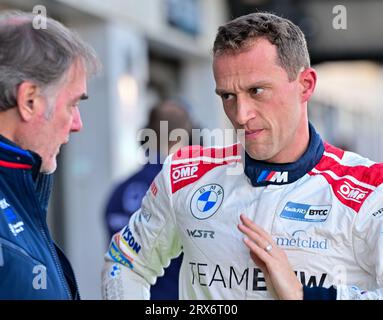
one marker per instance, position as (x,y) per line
(263,173)
(14,157)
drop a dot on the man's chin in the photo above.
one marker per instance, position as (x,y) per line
(257,154)
(48,168)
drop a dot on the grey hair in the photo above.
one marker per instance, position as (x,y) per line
(289,39)
(42,56)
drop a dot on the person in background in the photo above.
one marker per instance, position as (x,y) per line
(127,196)
(43,78)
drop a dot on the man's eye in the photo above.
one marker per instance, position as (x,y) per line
(227,96)
(255,91)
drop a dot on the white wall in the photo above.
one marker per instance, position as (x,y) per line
(86,172)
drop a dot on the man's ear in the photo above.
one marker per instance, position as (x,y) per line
(307,79)
(29,100)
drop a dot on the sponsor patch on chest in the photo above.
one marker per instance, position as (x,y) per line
(305,212)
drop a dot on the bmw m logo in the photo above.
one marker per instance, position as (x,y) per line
(206,201)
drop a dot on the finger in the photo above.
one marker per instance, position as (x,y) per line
(258,262)
(254,236)
(253,226)
(259,252)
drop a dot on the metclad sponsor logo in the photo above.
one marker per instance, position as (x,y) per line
(299,239)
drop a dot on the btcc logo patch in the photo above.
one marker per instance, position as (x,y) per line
(305,212)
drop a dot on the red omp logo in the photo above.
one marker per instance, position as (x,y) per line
(184,172)
(349,192)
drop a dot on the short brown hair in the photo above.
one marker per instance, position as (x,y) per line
(285,35)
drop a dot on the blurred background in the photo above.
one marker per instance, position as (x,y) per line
(157,49)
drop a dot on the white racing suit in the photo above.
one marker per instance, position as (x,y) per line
(325,211)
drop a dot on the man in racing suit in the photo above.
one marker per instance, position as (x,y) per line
(318,206)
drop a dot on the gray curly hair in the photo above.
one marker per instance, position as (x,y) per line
(42,56)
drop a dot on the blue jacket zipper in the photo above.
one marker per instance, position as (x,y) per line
(43,225)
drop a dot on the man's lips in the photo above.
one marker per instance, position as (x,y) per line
(253,133)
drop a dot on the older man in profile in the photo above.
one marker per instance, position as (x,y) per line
(43,74)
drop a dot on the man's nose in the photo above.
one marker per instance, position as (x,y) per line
(76,122)
(245,110)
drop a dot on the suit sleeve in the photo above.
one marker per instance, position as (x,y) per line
(139,253)
(123,202)
(368,249)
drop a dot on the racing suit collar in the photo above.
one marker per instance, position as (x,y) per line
(263,173)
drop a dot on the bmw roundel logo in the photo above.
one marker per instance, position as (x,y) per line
(206,201)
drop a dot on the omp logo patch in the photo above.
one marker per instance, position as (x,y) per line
(349,192)
(184,172)
(305,212)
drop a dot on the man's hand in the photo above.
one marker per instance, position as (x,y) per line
(272,260)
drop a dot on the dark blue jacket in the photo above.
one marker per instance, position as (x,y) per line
(124,201)
(31,265)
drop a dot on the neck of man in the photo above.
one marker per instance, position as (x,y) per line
(8,120)
(297,146)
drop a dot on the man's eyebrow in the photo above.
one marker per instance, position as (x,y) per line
(83,96)
(219,91)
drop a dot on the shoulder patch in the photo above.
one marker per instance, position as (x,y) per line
(351,184)
(191,163)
